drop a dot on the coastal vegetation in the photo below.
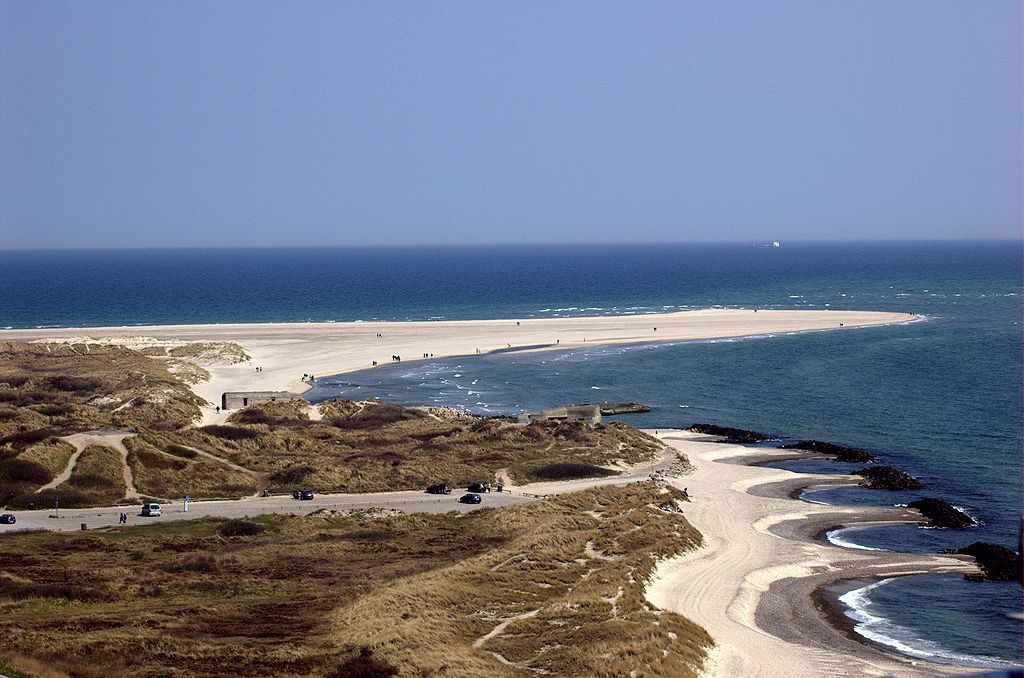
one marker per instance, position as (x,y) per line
(372,446)
(51,390)
(552,586)
(55,389)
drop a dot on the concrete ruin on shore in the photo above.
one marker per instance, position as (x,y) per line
(233,400)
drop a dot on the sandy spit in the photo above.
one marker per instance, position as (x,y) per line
(287,351)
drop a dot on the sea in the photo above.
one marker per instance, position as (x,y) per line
(940,398)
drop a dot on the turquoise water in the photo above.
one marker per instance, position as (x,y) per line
(939,398)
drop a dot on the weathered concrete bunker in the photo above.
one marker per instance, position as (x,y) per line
(588,413)
(232,400)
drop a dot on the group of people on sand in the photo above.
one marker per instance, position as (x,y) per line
(396,358)
(259,369)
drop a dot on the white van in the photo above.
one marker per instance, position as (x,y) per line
(151,509)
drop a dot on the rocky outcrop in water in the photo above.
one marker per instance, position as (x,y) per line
(887,478)
(941,513)
(840,452)
(997,563)
(608,409)
(732,435)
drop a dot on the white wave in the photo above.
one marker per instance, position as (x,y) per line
(836,538)
(596,388)
(881,630)
(805,497)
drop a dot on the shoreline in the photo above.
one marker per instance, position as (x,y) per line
(760,583)
(287,351)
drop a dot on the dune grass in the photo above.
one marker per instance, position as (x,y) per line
(168,471)
(371,446)
(311,595)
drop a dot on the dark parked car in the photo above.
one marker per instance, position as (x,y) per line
(440,488)
(470,499)
(479,487)
(8,519)
(302,495)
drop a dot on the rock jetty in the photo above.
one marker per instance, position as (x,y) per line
(887,478)
(732,435)
(840,452)
(941,513)
(997,563)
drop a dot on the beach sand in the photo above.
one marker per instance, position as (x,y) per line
(760,584)
(287,351)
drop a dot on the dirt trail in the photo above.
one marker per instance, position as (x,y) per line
(104,438)
(262,479)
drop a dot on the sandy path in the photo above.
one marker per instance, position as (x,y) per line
(103,438)
(751,585)
(287,351)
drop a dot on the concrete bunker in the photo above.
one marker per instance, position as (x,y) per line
(233,400)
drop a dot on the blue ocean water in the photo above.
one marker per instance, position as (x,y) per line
(940,398)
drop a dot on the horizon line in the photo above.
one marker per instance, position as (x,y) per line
(609,243)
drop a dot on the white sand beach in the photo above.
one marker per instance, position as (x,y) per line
(286,351)
(753,584)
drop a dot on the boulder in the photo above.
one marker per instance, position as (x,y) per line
(941,513)
(887,478)
(997,563)
(840,452)
(732,435)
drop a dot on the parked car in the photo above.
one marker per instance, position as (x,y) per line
(479,487)
(440,488)
(470,498)
(8,519)
(151,509)
(302,495)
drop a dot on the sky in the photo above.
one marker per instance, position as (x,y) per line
(170,124)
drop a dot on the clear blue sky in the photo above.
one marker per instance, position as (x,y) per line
(259,123)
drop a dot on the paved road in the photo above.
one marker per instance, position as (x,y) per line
(409,501)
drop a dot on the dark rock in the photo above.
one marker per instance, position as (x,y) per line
(840,452)
(941,513)
(623,408)
(997,563)
(732,435)
(887,478)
